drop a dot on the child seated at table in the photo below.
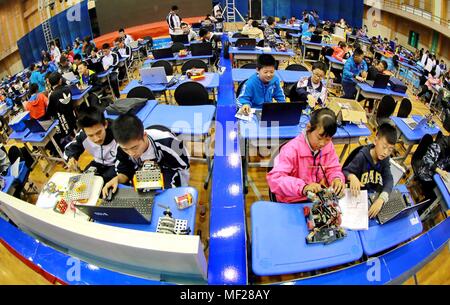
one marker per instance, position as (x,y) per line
(340,50)
(371,168)
(254,31)
(262,87)
(96,137)
(37,104)
(435,161)
(137,145)
(355,69)
(311,89)
(308,162)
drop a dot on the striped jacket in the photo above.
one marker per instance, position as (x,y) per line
(170,155)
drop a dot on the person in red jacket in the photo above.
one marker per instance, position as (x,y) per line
(340,50)
(37,104)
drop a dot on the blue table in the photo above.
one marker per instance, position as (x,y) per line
(177,58)
(253,54)
(376,93)
(279,242)
(9,180)
(82,94)
(412,137)
(186,120)
(211,82)
(443,190)
(382,237)
(19,135)
(142,114)
(166,198)
(290,27)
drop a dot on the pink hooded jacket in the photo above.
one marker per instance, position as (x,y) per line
(294,168)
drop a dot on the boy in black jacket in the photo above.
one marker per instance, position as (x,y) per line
(371,168)
(96,137)
(137,145)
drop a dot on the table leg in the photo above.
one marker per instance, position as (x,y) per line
(58,149)
(344,151)
(328,77)
(245,165)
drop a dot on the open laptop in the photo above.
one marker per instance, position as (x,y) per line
(75,90)
(396,207)
(381,81)
(70,76)
(180,38)
(36,126)
(246,43)
(162,53)
(316,39)
(413,125)
(127,206)
(156,75)
(280,114)
(201,49)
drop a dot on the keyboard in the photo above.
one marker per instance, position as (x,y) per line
(142,205)
(395,204)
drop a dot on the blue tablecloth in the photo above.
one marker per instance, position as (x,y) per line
(142,114)
(414,135)
(382,237)
(189,120)
(279,242)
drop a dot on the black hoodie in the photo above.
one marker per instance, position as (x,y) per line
(375,177)
(437,156)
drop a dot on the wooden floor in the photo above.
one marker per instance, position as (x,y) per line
(13,271)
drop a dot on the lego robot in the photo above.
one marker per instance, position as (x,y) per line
(323,219)
(149,178)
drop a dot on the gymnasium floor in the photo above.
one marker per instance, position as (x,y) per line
(13,271)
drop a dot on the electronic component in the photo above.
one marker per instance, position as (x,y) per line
(323,219)
(169,225)
(61,206)
(149,178)
(79,187)
(184,201)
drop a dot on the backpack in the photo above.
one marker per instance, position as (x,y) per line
(126,105)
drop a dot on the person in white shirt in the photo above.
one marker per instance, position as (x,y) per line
(248,25)
(187,30)
(111,60)
(127,38)
(425,56)
(55,52)
(174,21)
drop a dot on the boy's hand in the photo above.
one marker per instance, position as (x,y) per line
(312,101)
(444,175)
(355,185)
(375,208)
(73,165)
(359,79)
(313,187)
(245,109)
(338,187)
(113,183)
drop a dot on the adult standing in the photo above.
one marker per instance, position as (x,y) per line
(174,22)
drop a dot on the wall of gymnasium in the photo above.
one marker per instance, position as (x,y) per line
(391,26)
(18,18)
(351,10)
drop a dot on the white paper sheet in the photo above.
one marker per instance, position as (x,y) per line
(355,211)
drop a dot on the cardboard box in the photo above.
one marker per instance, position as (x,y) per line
(347,110)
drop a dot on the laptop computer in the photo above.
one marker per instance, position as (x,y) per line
(280,114)
(381,81)
(75,90)
(162,53)
(180,38)
(246,43)
(36,126)
(201,49)
(396,207)
(413,125)
(316,39)
(127,206)
(156,75)
(70,76)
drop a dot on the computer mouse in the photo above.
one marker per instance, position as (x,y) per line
(110,195)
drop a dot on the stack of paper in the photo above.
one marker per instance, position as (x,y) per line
(355,211)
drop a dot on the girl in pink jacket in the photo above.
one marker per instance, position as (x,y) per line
(308,162)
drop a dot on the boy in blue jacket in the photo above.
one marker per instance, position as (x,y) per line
(355,70)
(261,87)
(371,168)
